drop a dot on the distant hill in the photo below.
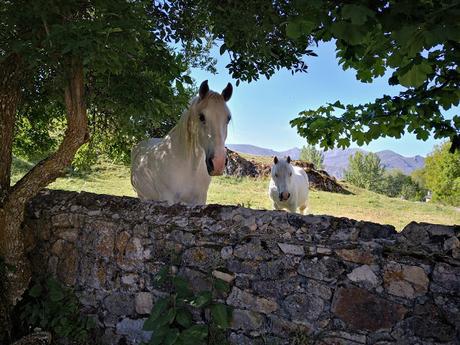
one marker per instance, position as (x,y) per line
(336,160)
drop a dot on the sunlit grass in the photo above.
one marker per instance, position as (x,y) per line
(252,192)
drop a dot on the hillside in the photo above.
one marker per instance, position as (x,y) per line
(362,205)
(336,160)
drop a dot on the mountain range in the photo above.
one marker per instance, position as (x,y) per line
(336,160)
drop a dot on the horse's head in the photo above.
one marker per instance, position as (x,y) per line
(282,176)
(209,119)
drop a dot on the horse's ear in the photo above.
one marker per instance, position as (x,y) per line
(275,160)
(227,92)
(204,89)
(288,159)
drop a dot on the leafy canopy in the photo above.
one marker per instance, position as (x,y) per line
(310,154)
(442,175)
(365,171)
(418,42)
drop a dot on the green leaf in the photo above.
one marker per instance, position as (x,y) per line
(56,295)
(166,318)
(159,307)
(187,79)
(219,313)
(299,27)
(221,286)
(338,104)
(416,75)
(202,299)
(222,49)
(182,287)
(184,318)
(194,335)
(161,276)
(356,13)
(171,336)
(158,335)
(350,33)
(36,290)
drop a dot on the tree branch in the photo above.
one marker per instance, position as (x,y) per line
(76,135)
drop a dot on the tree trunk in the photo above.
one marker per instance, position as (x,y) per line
(12,206)
(10,94)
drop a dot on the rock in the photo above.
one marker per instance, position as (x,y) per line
(143,302)
(404,280)
(364,274)
(303,307)
(247,320)
(318,289)
(291,249)
(276,269)
(287,328)
(451,243)
(358,256)
(243,299)
(68,265)
(341,337)
(226,252)
(228,278)
(363,311)
(119,303)
(251,251)
(327,269)
(132,330)
(202,258)
(446,279)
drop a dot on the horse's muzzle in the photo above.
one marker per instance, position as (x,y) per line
(284,196)
(216,164)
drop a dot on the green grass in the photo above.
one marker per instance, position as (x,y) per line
(250,192)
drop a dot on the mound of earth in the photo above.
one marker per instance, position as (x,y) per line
(319,179)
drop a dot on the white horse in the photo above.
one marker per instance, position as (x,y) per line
(179,167)
(288,187)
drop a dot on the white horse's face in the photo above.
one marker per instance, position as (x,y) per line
(282,171)
(211,117)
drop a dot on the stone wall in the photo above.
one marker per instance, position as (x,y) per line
(329,280)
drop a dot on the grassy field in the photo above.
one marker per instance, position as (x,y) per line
(250,192)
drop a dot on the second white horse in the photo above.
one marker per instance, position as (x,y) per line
(288,187)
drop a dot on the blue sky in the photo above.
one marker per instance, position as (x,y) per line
(261,110)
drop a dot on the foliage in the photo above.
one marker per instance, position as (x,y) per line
(396,184)
(171,320)
(310,154)
(442,175)
(365,171)
(54,308)
(416,41)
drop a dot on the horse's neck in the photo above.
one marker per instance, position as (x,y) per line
(183,150)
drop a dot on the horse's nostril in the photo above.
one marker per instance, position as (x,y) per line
(289,195)
(281,196)
(209,164)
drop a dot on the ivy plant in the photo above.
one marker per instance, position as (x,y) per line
(54,308)
(171,320)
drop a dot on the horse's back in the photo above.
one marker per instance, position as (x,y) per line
(140,170)
(302,184)
(143,147)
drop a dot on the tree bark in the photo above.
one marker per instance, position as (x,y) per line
(12,208)
(10,94)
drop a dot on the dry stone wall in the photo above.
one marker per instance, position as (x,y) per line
(319,279)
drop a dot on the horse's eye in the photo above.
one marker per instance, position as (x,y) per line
(276,175)
(290,174)
(202,118)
